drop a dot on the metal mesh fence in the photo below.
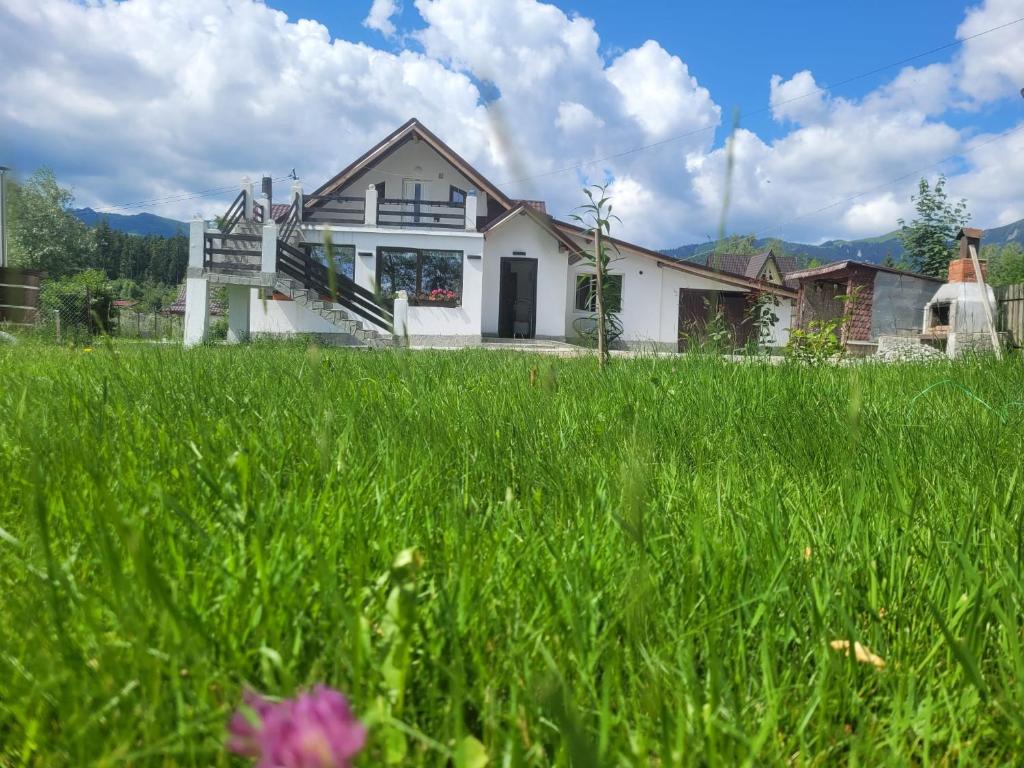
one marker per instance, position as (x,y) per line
(76,315)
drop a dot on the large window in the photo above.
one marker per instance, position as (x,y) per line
(586,293)
(344,258)
(431,278)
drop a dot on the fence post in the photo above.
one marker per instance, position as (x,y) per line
(56,315)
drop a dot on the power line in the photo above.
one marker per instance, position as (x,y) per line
(762,110)
(178,198)
(895,180)
(764,232)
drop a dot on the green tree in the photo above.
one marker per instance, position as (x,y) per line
(928,239)
(596,215)
(1005,263)
(43,233)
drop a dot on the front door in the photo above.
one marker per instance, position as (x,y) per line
(517,298)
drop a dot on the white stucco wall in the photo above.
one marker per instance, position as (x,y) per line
(522,237)
(423,321)
(434,171)
(284,317)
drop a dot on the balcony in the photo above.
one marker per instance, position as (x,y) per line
(370,211)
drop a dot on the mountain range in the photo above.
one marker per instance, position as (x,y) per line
(133,224)
(871,249)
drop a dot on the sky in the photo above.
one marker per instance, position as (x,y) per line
(829,112)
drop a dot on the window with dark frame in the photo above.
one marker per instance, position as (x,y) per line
(344,258)
(456,195)
(586,292)
(430,277)
(379,186)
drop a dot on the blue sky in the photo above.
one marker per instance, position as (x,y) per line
(734,48)
(146,100)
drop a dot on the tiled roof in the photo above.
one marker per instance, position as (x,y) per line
(178,306)
(751,264)
(537,205)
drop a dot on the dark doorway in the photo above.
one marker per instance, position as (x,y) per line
(517,298)
(730,315)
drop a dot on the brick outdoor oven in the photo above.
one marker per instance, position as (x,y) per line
(957,312)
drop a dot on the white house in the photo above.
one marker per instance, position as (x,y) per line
(425,247)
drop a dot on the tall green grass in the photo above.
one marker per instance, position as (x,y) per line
(641,567)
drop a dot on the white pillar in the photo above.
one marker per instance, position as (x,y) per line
(269,260)
(197,310)
(370,214)
(196,243)
(401,315)
(471,210)
(238,313)
(247,189)
(267,215)
(297,196)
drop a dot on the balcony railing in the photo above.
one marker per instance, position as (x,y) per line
(390,212)
(431,214)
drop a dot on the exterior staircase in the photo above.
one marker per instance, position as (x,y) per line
(234,254)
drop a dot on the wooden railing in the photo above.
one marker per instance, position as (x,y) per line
(217,244)
(334,209)
(291,221)
(436,214)
(300,265)
(234,214)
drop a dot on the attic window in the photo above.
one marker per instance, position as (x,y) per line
(456,195)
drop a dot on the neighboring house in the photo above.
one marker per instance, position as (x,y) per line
(410,218)
(764,266)
(867,300)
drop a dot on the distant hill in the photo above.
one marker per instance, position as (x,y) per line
(135,224)
(872,249)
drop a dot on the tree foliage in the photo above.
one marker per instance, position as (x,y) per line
(42,232)
(928,239)
(1005,263)
(45,235)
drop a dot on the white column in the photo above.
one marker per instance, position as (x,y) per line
(267,215)
(196,243)
(297,196)
(197,310)
(269,261)
(370,214)
(471,210)
(238,313)
(401,315)
(247,189)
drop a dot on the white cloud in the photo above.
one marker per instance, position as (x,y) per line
(992,65)
(379,17)
(574,117)
(799,99)
(658,92)
(141,99)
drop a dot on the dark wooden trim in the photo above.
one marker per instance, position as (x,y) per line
(419,271)
(369,159)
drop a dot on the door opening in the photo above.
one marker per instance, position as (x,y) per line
(517,298)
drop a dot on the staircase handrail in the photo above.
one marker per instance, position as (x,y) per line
(300,265)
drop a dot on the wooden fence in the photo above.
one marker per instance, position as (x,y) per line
(1010,311)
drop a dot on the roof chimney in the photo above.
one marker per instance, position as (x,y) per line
(961,269)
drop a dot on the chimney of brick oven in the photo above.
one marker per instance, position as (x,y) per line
(961,269)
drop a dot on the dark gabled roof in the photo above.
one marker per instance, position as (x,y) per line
(177,307)
(839,266)
(392,142)
(689,266)
(751,264)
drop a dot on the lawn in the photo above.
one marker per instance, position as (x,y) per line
(642,567)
